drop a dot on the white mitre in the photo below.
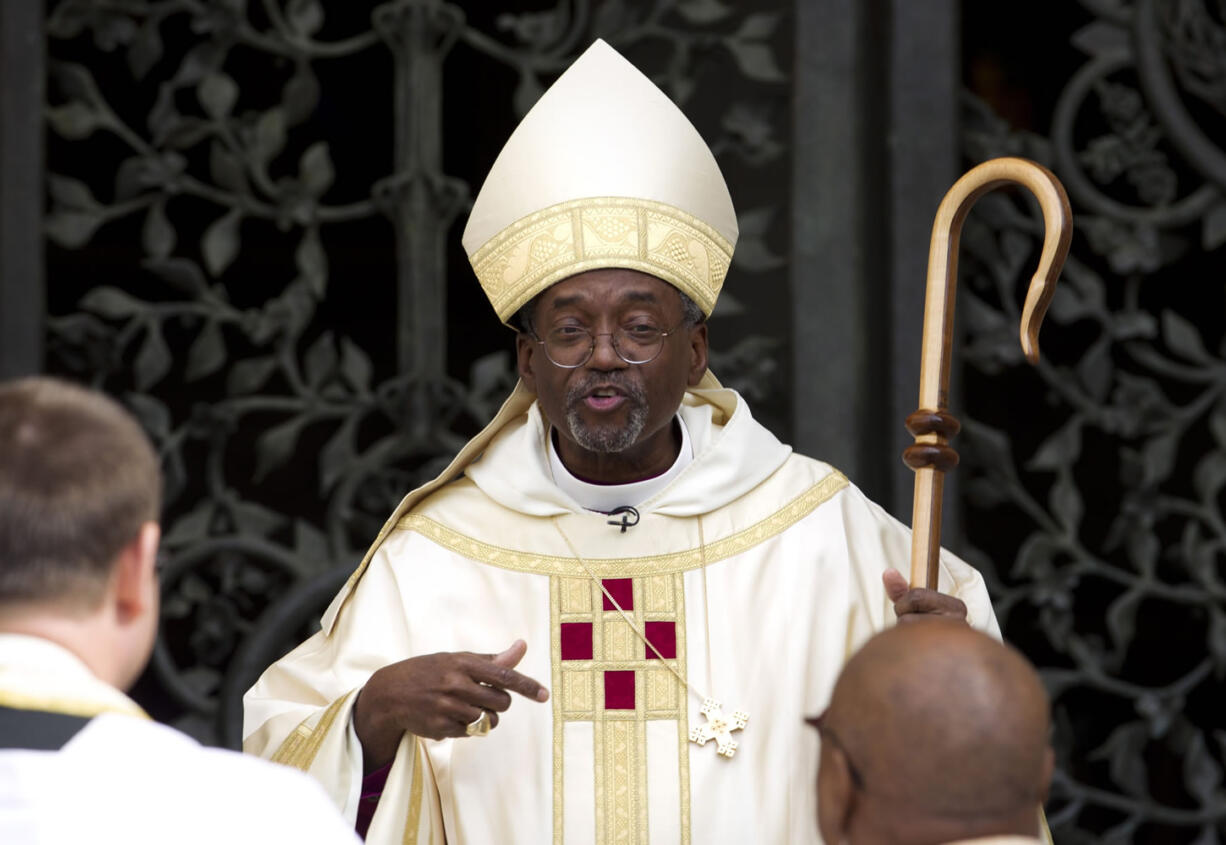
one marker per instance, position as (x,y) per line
(604,171)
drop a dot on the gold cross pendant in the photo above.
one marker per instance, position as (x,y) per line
(719,727)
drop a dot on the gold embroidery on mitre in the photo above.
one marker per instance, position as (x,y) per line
(613,229)
(547,246)
(545,251)
(677,250)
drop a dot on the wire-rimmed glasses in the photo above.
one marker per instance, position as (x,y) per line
(570,347)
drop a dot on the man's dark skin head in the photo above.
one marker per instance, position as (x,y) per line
(935,732)
(614,420)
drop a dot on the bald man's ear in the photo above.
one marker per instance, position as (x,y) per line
(836,795)
(1049,766)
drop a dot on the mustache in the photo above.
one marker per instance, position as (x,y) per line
(632,389)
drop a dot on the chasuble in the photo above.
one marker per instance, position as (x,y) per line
(751,577)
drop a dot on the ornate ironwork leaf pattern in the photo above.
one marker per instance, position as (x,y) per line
(1098,519)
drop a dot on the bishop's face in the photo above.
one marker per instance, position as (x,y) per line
(613,418)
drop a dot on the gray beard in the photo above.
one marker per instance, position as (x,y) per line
(607,439)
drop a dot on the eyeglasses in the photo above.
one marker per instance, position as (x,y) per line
(570,347)
(828,735)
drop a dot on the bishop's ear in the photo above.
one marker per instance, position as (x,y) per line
(525,349)
(698,353)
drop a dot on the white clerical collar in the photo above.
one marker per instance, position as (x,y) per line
(606,497)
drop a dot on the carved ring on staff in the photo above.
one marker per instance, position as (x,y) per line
(479,726)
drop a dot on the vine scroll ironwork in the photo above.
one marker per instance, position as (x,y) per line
(1107,506)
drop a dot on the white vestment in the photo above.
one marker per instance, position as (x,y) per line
(126,779)
(755,573)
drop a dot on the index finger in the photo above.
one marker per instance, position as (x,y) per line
(485,671)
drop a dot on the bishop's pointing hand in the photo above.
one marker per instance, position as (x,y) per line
(437,696)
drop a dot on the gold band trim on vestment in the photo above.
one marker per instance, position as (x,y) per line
(616,665)
(292,747)
(559,735)
(83,707)
(572,237)
(413,824)
(303,743)
(623,791)
(518,561)
(641,780)
(683,718)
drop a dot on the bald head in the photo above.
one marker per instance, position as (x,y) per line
(946,725)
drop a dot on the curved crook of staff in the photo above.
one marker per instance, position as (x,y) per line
(932,425)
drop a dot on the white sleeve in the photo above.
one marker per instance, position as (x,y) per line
(286,805)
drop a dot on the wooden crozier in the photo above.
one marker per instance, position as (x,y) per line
(932,425)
